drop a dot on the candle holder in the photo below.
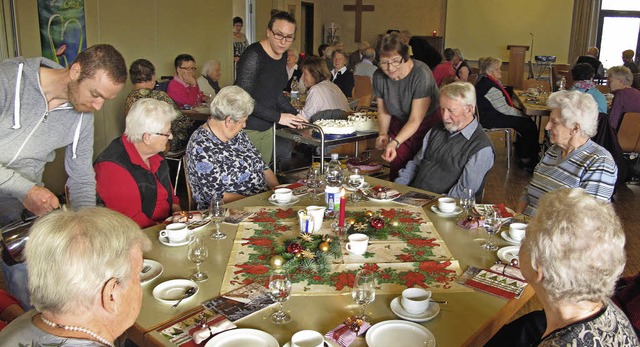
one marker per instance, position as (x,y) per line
(340,232)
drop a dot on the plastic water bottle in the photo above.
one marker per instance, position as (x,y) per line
(562,83)
(333,176)
(295,89)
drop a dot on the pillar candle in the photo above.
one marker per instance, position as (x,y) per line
(343,206)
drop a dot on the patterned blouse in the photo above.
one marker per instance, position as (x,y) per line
(217,167)
(179,127)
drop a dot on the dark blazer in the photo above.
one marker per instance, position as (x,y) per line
(346,82)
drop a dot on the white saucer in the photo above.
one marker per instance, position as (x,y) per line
(429,314)
(399,332)
(165,241)
(171,291)
(505,235)
(327,342)
(455,212)
(365,185)
(506,254)
(243,337)
(294,200)
(155,269)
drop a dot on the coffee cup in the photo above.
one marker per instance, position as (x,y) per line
(357,243)
(307,338)
(282,195)
(415,300)
(317,214)
(517,231)
(175,232)
(446,204)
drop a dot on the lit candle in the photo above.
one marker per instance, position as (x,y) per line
(343,206)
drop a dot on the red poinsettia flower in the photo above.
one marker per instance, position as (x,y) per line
(252,269)
(388,213)
(282,228)
(410,220)
(406,258)
(344,279)
(413,278)
(435,267)
(423,243)
(264,220)
(280,213)
(385,276)
(256,241)
(317,278)
(373,267)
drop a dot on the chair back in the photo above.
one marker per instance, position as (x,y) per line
(190,202)
(365,101)
(629,132)
(163,83)
(604,89)
(362,86)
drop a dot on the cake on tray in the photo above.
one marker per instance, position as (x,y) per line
(366,165)
(335,128)
(365,121)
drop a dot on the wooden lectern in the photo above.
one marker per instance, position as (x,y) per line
(517,55)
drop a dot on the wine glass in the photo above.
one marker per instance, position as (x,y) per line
(314,181)
(279,290)
(216,213)
(355,181)
(364,291)
(492,224)
(468,199)
(197,252)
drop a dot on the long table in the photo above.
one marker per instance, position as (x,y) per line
(469,319)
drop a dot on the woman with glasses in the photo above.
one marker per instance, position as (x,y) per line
(407,98)
(132,177)
(262,72)
(183,88)
(221,161)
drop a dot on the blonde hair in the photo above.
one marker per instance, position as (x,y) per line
(488,63)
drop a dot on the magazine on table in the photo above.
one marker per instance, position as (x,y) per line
(241,302)
(417,199)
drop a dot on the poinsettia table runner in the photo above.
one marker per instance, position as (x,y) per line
(404,250)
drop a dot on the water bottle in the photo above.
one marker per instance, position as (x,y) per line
(333,176)
(562,83)
(295,89)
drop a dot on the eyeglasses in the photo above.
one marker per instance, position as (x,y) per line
(389,63)
(164,134)
(280,37)
(188,68)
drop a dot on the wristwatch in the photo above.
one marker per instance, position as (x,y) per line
(398,143)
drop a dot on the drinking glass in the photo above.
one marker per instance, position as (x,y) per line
(355,181)
(468,199)
(217,212)
(492,224)
(279,290)
(314,181)
(197,252)
(364,291)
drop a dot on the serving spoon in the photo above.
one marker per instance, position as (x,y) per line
(187,293)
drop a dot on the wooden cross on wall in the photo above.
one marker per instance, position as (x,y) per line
(358,8)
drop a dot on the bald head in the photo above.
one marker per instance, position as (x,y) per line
(593,51)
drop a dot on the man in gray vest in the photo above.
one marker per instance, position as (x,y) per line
(456,153)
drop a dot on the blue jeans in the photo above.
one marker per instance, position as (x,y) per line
(17,283)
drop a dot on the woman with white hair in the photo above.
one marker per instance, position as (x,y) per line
(83,278)
(210,74)
(574,160)
(572,256)
(132,177)
(625,98)
(221,160)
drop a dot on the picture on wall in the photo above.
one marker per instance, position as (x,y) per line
(62,29)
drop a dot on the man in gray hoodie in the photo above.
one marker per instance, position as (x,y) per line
(43,107)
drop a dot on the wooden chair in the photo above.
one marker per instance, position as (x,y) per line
(507,138)
(176,156)
(362,87)
(190,202)
(364,101)
(532,83)
(629,132)
(604,89)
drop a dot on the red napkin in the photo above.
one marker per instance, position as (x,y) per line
(504,213)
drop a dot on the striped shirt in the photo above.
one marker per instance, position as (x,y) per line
(589,167)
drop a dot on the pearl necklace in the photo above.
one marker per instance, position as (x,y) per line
(75,328)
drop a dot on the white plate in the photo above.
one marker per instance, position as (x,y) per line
(365,185)
(506,254)
(171,291)
(429,314)
(242,338)
(294,200)
(395,332)
(165,241)
(154,270)
(327,342)
(505,235)
(437,211)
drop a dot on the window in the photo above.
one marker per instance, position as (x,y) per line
(619,30)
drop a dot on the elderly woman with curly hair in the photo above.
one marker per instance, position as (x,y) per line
(572,256)
(498,111)
(221,160)
(574,160)
(84,280)
(625,98)
(322,93)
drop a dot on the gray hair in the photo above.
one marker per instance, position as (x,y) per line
(622,73)
(148,116)
(209,66)
(487,63)
(578,242)
(233,102)
(458,53)
(71,255)
(576,107)
(463,92)
(369,54)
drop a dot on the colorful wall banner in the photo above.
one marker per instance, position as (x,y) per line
(62,29)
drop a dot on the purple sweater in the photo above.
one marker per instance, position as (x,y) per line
(624,100)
